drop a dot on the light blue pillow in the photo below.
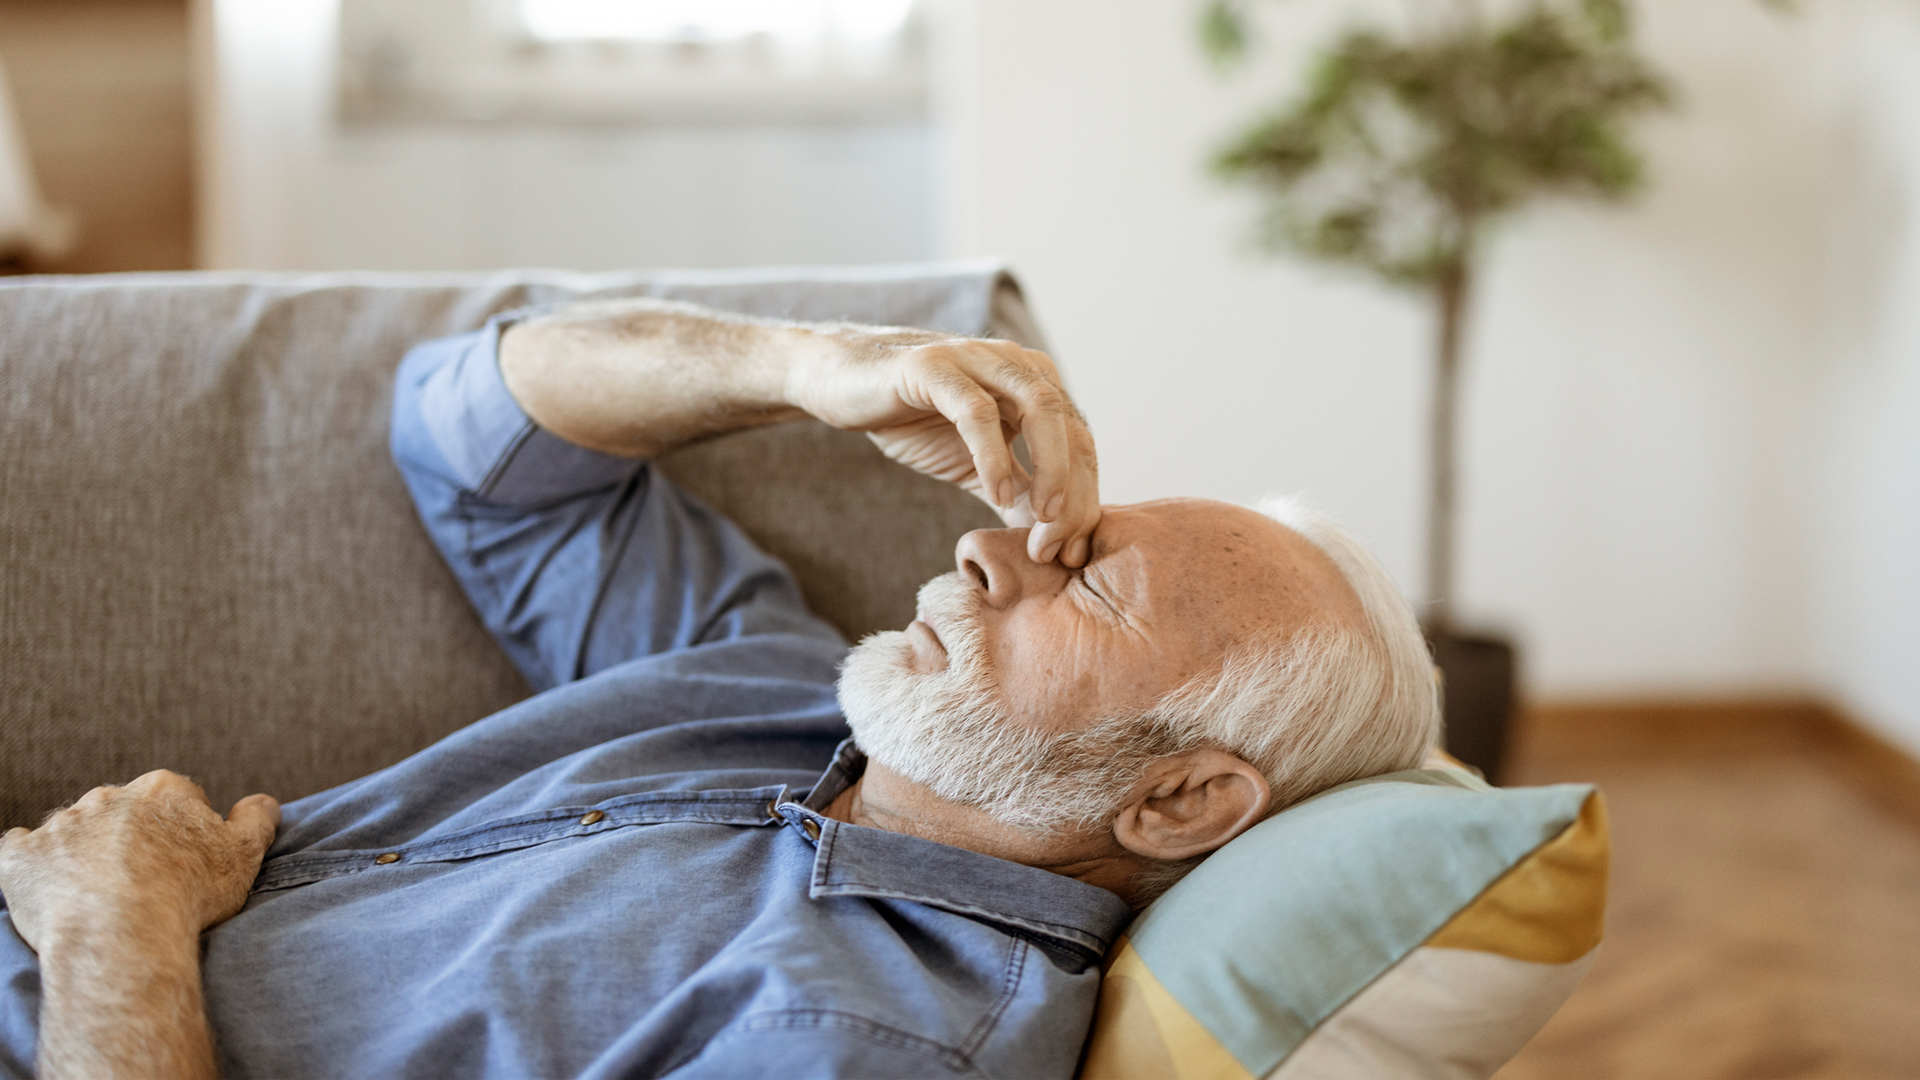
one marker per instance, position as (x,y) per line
(1420,923)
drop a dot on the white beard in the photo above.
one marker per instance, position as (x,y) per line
(954,731)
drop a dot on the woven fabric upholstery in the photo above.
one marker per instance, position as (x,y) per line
(208,562)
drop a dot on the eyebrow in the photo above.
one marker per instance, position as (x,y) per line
(1097,546)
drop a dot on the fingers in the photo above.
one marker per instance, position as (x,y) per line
(1025,384)
(988,393)
(1068,539)
(257,818)
(1068,536)
(168,782)
(152,778)
(8,844)
(1040,410)
(976,416)
(1025,389)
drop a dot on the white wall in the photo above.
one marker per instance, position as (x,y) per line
(610,198)
(1866,462)
(285,186)
(1644,441)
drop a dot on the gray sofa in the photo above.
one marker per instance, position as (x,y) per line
(210,564)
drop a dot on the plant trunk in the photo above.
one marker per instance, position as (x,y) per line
(1451,291)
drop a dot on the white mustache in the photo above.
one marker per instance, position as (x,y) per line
(956,732)
(952,606)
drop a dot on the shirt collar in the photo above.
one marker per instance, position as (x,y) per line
(855,860)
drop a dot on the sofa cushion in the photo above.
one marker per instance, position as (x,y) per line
(210,564)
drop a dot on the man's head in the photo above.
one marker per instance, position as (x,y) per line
(1209,665)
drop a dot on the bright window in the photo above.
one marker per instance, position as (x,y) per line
(712,21)
(633,61)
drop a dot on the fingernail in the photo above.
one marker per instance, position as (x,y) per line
(1049,554)
(1003,495)
(1054,504)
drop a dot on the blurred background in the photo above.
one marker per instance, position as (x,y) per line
(1690,424)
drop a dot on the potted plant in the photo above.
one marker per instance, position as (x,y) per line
(1400,154)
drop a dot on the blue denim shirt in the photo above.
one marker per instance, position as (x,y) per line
(628,874)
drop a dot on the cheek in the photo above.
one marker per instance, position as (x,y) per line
(1061,674)
(1047,671)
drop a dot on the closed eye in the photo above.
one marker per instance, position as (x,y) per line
(1089,586)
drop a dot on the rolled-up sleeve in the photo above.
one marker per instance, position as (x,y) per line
(576,560)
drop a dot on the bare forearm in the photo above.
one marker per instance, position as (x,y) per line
(124,1004)
(640,377)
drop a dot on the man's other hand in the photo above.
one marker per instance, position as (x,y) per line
(950,407)
(149,857)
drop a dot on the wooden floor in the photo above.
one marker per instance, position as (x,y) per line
(1764,919)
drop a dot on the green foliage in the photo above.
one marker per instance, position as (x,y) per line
(1400,151)
(1223,31)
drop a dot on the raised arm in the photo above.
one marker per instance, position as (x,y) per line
(113,893)
(640,377)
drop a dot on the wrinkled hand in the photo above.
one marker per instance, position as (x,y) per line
(950,407)
(152,855)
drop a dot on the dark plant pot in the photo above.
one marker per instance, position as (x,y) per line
(1478,674)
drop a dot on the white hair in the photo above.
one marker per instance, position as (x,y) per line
(1321,707)
(1329,704)
(1311,709)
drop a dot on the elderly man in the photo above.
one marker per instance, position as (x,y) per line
(672,859)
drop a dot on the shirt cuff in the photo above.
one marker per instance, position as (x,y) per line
(498,452)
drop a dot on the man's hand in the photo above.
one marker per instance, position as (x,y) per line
(113,893)
(951,407)
(153,853)
(642,377)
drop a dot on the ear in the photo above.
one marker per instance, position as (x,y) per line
(1190,804)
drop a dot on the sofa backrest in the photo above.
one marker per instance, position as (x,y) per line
(209,564)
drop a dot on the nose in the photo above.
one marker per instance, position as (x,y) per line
(997,560)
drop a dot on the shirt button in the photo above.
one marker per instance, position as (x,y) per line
(389,857)
(593,817)
(812,827)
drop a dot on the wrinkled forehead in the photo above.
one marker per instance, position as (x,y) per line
(1233,569)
